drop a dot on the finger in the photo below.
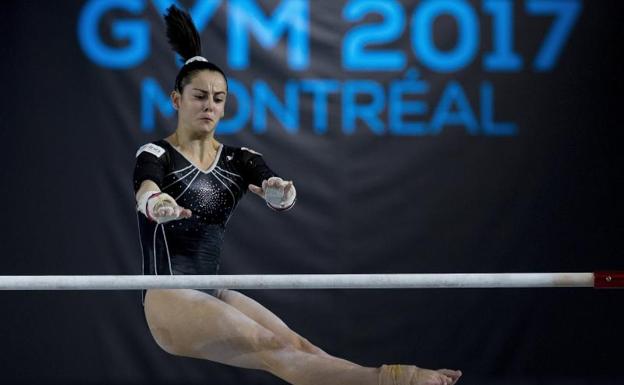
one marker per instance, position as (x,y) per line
(452,379)
(164,211)
(451,373)
(283,183)
(450,376)
(439,378)
(436,381)
(185,213)
(288,187)
(432,379)
(264,184)
(256,190)
(277,181)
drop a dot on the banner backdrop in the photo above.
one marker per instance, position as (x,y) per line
(423,137)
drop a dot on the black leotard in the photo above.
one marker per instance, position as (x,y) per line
(193,245)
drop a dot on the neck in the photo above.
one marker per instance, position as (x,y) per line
(199,146)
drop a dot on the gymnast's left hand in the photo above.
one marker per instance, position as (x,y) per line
(278,193)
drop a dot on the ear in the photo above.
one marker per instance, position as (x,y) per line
(175,99)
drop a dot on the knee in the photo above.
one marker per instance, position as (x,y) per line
(275,343)
(309,347)
(266,340)
(302,344)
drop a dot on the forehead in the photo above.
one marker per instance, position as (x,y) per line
(209,81)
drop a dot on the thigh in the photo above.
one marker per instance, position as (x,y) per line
(266,318)
(194,324)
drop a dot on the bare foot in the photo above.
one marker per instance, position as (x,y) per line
(413,375)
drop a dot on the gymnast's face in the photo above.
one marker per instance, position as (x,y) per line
(202,102)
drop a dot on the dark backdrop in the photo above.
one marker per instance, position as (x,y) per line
(545,197)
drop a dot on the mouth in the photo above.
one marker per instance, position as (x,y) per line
(206,119)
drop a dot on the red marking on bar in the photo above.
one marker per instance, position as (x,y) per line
(608,279)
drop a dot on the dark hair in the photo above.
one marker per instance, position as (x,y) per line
(184,39)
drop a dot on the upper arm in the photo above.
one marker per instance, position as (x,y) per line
(150,166)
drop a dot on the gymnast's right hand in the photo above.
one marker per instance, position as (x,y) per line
(161,207)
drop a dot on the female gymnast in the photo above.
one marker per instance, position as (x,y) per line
(187,186)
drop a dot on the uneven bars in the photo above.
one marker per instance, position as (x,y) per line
(602,279)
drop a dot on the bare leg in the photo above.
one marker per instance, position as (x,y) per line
(389,374)
(266,318)
(193,324)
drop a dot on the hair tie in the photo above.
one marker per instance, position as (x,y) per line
(195,58)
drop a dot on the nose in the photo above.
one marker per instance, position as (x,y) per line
(209,105)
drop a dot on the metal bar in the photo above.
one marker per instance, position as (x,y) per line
(297,281)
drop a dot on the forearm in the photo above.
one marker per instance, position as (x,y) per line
(146,185)
(148,190)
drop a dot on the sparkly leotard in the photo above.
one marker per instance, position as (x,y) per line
(193,245)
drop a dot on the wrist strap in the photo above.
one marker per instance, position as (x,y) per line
(142,204)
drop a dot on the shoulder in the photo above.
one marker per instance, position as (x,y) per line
(239,153)
(157,149)
(243,153)
(250,151)
(242,159)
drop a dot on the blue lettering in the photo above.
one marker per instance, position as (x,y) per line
(454,95)
(368,113)
(503,58)
(136,32)
(490,127)
(354,56)
(152,98)
(238,92)
(245,15)
(422,34)
(398,107)
(566,13)
(320,89)
(287,114)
